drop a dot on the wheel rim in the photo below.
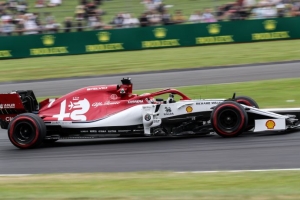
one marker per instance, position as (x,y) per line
(228,120)
(24,133)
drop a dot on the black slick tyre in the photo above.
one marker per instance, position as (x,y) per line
(245,100)
(26,131)
(229,119)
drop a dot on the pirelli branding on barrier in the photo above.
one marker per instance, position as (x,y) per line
(162,41)
(215,37)
(104,39)
(180,35)
(49,49)
(271,33)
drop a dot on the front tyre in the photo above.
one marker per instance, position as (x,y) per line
(26,131)
(229,119)
(248,101)
(245,100)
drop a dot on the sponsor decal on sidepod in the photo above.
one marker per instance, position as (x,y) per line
(97,104)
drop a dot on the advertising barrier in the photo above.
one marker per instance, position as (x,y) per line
(149,37)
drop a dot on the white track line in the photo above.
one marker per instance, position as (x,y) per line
(3,175)
(236,171)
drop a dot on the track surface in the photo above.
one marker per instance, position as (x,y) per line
(163,80)
(250,151)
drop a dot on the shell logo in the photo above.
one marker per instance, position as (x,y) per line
(48,40)
(189,109)
(270,124)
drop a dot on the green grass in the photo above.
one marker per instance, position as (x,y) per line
(154,185)
(114,7)
(147,60)
(268,94)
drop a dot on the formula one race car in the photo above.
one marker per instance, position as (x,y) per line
(114,111)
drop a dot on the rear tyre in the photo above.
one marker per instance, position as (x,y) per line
(229,119)
(27,131)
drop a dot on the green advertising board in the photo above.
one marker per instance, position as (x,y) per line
(149,37)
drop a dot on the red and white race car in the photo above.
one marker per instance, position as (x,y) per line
(114,111)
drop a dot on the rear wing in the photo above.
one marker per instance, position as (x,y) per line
(15,103)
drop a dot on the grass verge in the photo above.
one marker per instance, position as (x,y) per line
(270,93)
(147,60)
(154,185)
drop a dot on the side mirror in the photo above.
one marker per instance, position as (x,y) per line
(233,96)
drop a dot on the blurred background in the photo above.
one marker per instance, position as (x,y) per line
(50,16)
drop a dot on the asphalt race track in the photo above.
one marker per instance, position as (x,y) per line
(249,151)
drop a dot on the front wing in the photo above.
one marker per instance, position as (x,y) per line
(264,119)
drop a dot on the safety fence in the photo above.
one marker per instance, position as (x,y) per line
(149,37)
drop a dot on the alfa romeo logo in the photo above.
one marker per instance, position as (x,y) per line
(147,117)
(103,36)
(160,32)
(48,40)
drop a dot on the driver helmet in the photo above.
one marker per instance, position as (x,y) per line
(149,99)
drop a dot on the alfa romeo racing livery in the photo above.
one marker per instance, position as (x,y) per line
(114,111)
